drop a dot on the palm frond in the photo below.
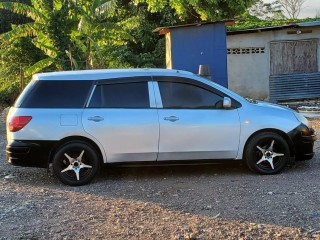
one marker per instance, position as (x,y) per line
(38,66)
(105,8)
(46,48)
(105,26)
(82,24)
(98,51)
(78,8)
(96,3)
(80,44)
(22,9)
(45,44)
(57,4)
(25,30)
(74,62)
(96,46)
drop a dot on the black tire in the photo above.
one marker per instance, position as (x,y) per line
(73,149)
(253,155)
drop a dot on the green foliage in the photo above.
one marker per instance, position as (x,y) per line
(50,28)
(141,47)
(8,17)
(40,65)
(199,10)
(78,34)
(92,31)
(16,55)
(9,92)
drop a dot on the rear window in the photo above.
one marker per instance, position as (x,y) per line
(54,94)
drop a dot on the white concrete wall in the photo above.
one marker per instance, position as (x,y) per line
(248,74)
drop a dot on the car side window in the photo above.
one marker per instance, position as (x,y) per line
(188,96)
(122,95)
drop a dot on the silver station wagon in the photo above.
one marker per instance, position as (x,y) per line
(78,120)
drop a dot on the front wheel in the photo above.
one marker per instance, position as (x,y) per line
(267,153)
(76,163)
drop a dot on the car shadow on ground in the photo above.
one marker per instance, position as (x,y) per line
(114,173)
(160,171)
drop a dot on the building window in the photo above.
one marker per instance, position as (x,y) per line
(237,51)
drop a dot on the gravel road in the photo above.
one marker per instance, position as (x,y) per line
(221,201)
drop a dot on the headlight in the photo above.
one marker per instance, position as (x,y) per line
(301,118)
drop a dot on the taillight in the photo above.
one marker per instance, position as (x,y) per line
(17,123)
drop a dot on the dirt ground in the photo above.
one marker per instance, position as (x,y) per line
(223,201)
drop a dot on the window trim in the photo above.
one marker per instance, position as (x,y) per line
(90,96)
(152,97)
(120,80)
(157,95)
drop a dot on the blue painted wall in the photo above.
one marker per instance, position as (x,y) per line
(201,45)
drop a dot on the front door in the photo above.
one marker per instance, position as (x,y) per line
(193,124)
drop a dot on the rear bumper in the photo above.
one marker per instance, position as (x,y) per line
(29,153)
(303,139)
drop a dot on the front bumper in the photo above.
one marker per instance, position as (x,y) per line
(303,139)
(29,153)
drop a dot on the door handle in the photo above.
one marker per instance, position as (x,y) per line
(96,119)
(171,118)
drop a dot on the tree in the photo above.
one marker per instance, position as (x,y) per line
(291,7)
(93,30)
(266,11)
(7,18)
(49,30)
(199,10)
(140,47)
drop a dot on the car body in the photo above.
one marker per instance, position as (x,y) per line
(79,119)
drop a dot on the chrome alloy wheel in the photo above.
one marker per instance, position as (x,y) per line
(269,154)
(75,164)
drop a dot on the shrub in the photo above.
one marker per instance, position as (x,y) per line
(8,93)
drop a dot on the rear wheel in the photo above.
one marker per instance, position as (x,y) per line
(76,163)
(267,153)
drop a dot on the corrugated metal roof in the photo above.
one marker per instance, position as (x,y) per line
(162,30)
(309,24)
(291,25)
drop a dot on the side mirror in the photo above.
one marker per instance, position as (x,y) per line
(226,102)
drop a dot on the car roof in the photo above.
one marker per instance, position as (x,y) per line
(107,74)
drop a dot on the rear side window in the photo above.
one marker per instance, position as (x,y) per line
(122,95)
(55,94)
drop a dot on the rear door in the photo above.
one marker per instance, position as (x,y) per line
(122,116)
(193,124)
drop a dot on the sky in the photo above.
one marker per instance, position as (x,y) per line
(309,9)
